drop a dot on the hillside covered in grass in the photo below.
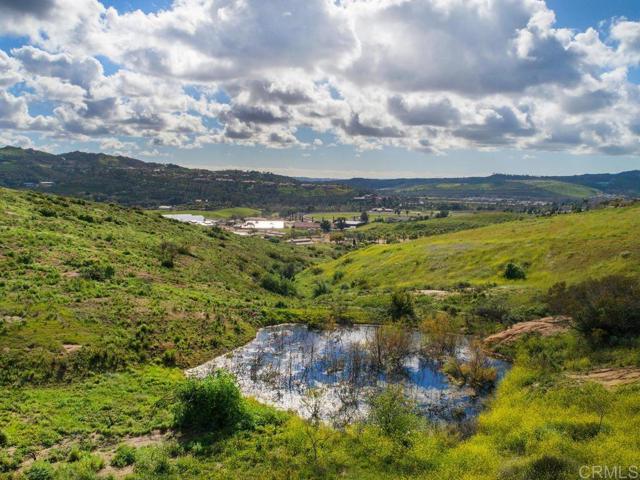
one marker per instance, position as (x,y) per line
(567,248)
(89,286)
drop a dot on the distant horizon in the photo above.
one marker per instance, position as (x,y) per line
(327,179)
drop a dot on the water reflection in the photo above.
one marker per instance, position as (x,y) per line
(347,365)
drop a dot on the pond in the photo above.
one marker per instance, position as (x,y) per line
(346,366)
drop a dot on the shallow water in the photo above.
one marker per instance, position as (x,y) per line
(284,362)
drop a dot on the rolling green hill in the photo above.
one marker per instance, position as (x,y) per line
(128,181)
(567,247)
(514,187)
(89,287)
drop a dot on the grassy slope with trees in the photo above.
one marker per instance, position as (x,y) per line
(540,425)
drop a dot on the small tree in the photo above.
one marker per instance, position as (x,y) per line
(513,271)
(325,225)
(312,402)
(364,217)
(401,305)
(341,223)
(596,399)
(394,414)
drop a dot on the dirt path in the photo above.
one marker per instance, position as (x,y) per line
(610,377)
(106,452)
(546,326)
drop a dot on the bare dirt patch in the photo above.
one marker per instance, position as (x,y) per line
(546,327)
(71,347)
(435,293)
(9,319)
(610,377)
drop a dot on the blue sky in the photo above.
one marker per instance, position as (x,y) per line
(341,101)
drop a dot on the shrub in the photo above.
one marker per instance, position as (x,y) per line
(125,455)
(168,251)
(393,414)
(4,440)
(47,212)
(169,357)
(401,305)
(40,471)
(547,467)
(281,286)
(97,271)
(321,288)
(513,271)
(602,308)
(212,404)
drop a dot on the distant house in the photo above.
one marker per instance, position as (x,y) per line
(263,225)
(165,207)
(46,184)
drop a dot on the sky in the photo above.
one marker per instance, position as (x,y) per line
(328,88)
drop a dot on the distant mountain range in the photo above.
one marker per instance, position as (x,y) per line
(509,186)
(128,181)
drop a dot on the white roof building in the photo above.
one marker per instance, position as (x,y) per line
(189,218)
(263,225)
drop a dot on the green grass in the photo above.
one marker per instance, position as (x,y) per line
(561,248)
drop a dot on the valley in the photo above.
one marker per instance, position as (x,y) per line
(104,308)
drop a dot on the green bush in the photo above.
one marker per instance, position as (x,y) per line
(212,404)
(401,305)
(602,308)
(40,471)
(97,271)
(281,286)
(168,251)
(393,414)
(513,271)
(125,455)
(4,440)
(321,288)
